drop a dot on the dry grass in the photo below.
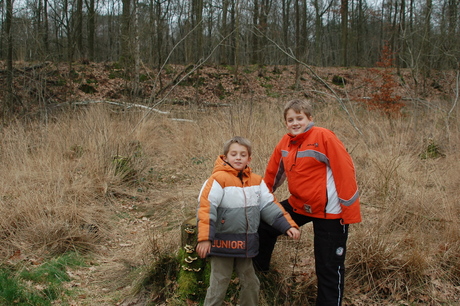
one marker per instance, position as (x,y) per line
(119,183)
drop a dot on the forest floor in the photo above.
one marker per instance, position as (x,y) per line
(52,85)
(102,283)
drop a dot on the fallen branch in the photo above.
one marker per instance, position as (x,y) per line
(28,68)
(126,105)
(132,105)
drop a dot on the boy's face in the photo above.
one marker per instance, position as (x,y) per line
(296,123)
(238,156)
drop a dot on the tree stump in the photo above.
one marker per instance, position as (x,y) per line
(193,278)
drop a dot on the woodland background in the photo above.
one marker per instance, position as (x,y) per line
(113,113)
(324,33)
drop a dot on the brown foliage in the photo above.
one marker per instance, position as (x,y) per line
(383,85)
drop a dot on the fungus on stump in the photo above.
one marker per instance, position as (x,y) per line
(193,278)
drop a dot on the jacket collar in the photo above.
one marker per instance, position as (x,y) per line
(221,165)
(298,139)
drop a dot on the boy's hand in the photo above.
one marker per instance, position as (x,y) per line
(293,233)
(203,248)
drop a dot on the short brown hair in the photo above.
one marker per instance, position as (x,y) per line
(299,105)
(240,140)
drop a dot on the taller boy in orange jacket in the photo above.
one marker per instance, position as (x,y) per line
(323,190)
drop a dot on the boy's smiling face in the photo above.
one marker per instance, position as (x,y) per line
(238,156)
(296,123)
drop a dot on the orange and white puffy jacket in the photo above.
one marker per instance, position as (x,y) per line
(231,205)
(320,173)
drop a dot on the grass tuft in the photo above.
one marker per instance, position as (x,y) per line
(38,285)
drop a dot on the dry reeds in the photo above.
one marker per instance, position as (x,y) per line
(63,182)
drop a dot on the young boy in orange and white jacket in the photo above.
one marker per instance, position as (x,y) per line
(323,190)
(231,204)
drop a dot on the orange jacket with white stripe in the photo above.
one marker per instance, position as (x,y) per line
(320,175)
(231,205)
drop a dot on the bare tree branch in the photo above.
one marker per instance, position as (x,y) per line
(456,95)
(192,69)
(317,78)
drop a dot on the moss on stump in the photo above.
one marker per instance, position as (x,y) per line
(193,278)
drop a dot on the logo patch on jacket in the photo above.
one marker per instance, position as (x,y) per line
(339,251)
(228,244)
(307,208)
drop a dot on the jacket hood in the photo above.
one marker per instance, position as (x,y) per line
(221,165)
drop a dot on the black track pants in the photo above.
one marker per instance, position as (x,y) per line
(330,239)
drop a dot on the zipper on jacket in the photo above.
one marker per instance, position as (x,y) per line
(247,220)
(295,159)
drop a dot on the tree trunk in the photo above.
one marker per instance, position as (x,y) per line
(159,35)
(236,39)
(197,27)
(297,43)
(286,4)
(8,104)
(401,39)
(79,28)
(234,36)
(46,27)
(255,34)
(264,12)
(39,30)
(452,32)
(125,32)
(359,34)
(344,38)
(426,47)
(318,27)
(303,30)
(91,28)
(136,49)
(223,54)
(319,12)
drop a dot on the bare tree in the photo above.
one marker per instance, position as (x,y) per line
(90,4)
(41,29)
(137,56)
(197,22)
(125,32)
(160,29)
(340,32)
(8,104)
(453,53)
(235,14)
(319,12)
(297,42)
(401,44)
(344,36)
(255,35)
(426,39)
(78,27)
(359,31)
(224,29)
(285,11)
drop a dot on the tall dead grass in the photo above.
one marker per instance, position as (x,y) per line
(62,183)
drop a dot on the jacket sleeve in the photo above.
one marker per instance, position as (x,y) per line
(274,173)
(273,212)
(344,174)
(209,199)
